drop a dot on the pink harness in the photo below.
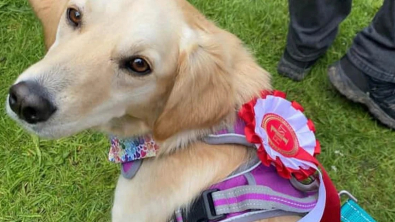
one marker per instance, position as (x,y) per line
(252,192)
(286,145)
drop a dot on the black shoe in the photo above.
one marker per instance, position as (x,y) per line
(377,95)
(293,69)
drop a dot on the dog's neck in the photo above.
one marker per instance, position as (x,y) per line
(185,138)
(129,127)
(125,150)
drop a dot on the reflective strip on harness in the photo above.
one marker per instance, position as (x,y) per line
(352,212)
(244,198)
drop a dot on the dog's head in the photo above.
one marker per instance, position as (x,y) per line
(133,67)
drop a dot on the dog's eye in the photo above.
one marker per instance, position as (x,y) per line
(74,16)
(138,65)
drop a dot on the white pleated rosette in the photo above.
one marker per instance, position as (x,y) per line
(285,138)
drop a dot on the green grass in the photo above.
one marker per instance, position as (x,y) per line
(71,180)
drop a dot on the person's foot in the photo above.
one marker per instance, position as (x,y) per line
(293,69)
(377,95)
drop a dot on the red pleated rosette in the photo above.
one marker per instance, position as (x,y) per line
(285,138)
(283,135)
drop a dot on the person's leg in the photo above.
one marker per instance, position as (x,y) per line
(313,27)
(367,73)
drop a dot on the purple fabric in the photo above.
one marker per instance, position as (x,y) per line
(223,131)
(239,126)
(265,176)
(231,183)
(268,176)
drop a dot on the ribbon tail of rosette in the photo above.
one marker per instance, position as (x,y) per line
(302,157)
(332,209)
(317,212)
(327,208)
(305,156)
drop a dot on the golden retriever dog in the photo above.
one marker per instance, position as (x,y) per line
(127,68)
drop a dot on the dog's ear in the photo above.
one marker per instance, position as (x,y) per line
(202,94)
(49,13)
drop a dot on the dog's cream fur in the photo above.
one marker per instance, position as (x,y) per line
(201,76)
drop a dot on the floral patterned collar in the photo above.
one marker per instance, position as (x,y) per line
(131,149)
(125,150)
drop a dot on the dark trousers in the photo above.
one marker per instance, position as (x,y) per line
(314,25)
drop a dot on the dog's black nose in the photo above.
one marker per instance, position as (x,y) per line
(30,102)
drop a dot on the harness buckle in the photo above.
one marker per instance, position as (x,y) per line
(309,184)
(203,209)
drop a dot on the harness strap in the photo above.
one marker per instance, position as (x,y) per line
(254,216)
(257,197)
(229,138)
(251,216)
(247,203)
(203,210)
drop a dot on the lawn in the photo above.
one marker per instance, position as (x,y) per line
(71,180)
